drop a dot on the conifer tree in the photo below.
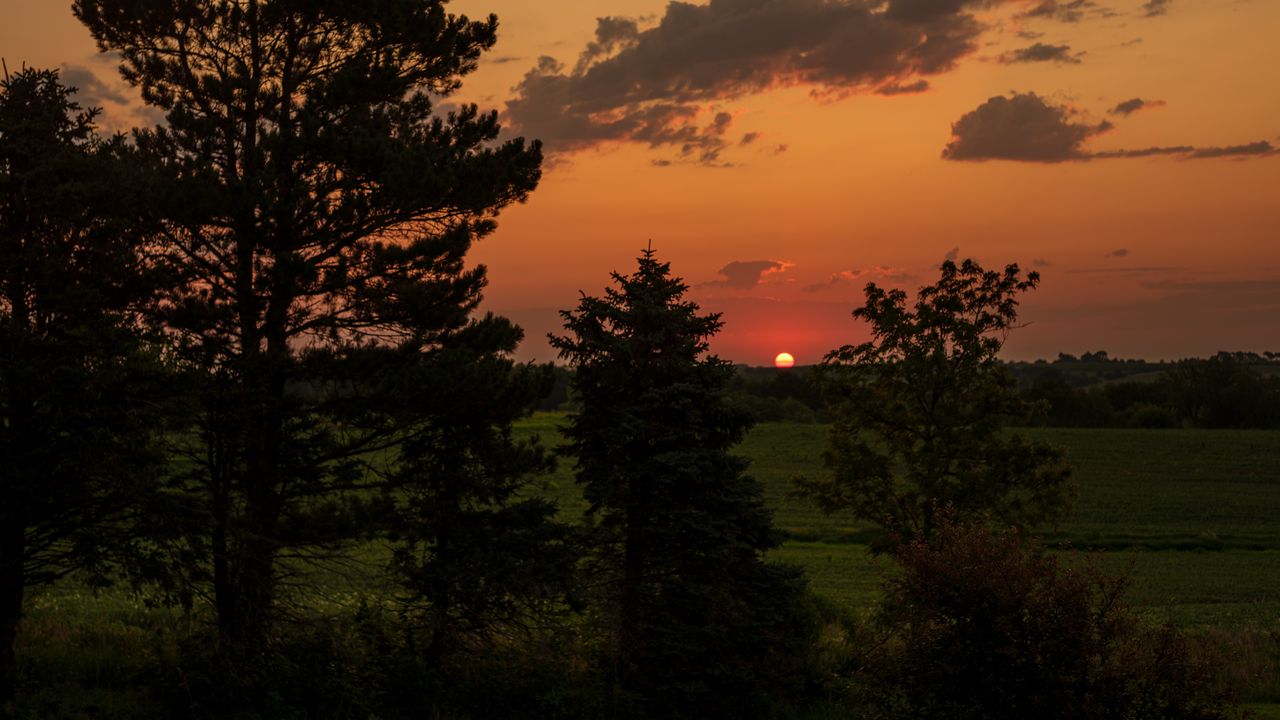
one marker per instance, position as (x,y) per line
(76,423)
(320,207)
(698,620)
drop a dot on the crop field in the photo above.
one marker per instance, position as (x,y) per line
(1192,516)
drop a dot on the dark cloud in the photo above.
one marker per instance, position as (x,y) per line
(90,91)
(1041,263)
(747,274)
(1118,253)
(918,86)
(654,85)
(1155,8)
(1040,52)
(1021,127)
(1260,148)
(1027,128)
(1069,11)
(1129,107)
(749,138)
(952,255)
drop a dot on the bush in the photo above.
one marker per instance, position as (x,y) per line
(990,626)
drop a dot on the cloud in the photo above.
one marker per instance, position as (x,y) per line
(1260,148)
(1129,107)
(1025,127)
(1155,8)
(1068,11)
(90,91)
(1041,263)
(1021,127)
(657,85)
(1118,253)
(748,274)
(891,89)
(1041,52)
(749,138)
(844,277)
(952,255)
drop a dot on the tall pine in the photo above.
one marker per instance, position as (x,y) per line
(699,622)
(320,207)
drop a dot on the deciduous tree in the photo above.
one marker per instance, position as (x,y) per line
(919,411)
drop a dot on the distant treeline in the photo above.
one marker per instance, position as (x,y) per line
(1227,390)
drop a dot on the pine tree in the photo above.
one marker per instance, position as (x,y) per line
(698,620)
(318,215)
(76,421)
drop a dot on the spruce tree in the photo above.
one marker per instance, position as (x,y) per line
(698,621)
(320,207)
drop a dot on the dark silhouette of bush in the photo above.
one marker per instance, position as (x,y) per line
(991,626)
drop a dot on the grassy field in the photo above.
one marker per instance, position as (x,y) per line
(1192,516)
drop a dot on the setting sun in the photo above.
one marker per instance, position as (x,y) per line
(784,360)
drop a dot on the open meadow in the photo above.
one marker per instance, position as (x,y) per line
(1191,515)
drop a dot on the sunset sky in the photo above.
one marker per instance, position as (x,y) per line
(783,153)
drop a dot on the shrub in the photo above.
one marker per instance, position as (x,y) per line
(990,626)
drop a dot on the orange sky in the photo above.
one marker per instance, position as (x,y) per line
(810,183)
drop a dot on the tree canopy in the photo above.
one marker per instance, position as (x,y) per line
(919,411)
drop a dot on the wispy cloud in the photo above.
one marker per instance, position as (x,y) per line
(1041,52)
(846,277)
(748,274)
(1129,107)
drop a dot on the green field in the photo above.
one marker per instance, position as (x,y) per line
(1191,515)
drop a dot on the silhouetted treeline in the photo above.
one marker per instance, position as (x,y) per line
(1229,390)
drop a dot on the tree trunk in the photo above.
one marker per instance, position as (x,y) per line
(12,589)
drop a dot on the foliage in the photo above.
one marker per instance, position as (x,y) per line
(479,551)
(1218,392)
(919,411)
(317,215)
(699,621)
(76,379)
(992,627)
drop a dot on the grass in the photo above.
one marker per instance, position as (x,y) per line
(1190,515)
